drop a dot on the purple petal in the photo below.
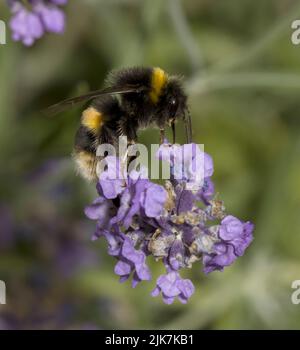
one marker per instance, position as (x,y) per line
(122,268)
(208,165)
(128,252)
(230,228)
(26,26)
(167,284)
(111,188)
(207,191)
(155,199)
(138,188)
(186,287)
(124,278)
(143,272)
(168,300)
(182,299)
(185,200)
(155,292)
(112,180)
(98,210)
(224,256)
(176,254)
(52,17)
(135,280)
(114,243)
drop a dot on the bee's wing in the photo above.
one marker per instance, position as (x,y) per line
(70,102)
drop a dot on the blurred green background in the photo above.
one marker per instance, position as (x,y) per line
(242,76)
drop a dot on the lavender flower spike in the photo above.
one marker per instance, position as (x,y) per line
(141,219)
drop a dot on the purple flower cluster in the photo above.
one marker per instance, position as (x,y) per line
(235,236)
(32,18)
(139,218)
(171,285)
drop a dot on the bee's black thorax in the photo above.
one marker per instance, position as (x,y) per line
(154,104)
(137,106)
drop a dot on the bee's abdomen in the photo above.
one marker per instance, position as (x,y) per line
(85,153)
(98,125)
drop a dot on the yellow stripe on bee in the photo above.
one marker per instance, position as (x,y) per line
(158,81)
(92,119)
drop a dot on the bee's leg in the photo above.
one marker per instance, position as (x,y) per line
(128,128)
(173,131)
(162,136)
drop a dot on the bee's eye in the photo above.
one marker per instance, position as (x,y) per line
(173,106)
(173,102)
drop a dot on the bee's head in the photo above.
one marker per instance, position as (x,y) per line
(173,102)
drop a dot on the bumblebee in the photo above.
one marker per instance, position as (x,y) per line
(134,99)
